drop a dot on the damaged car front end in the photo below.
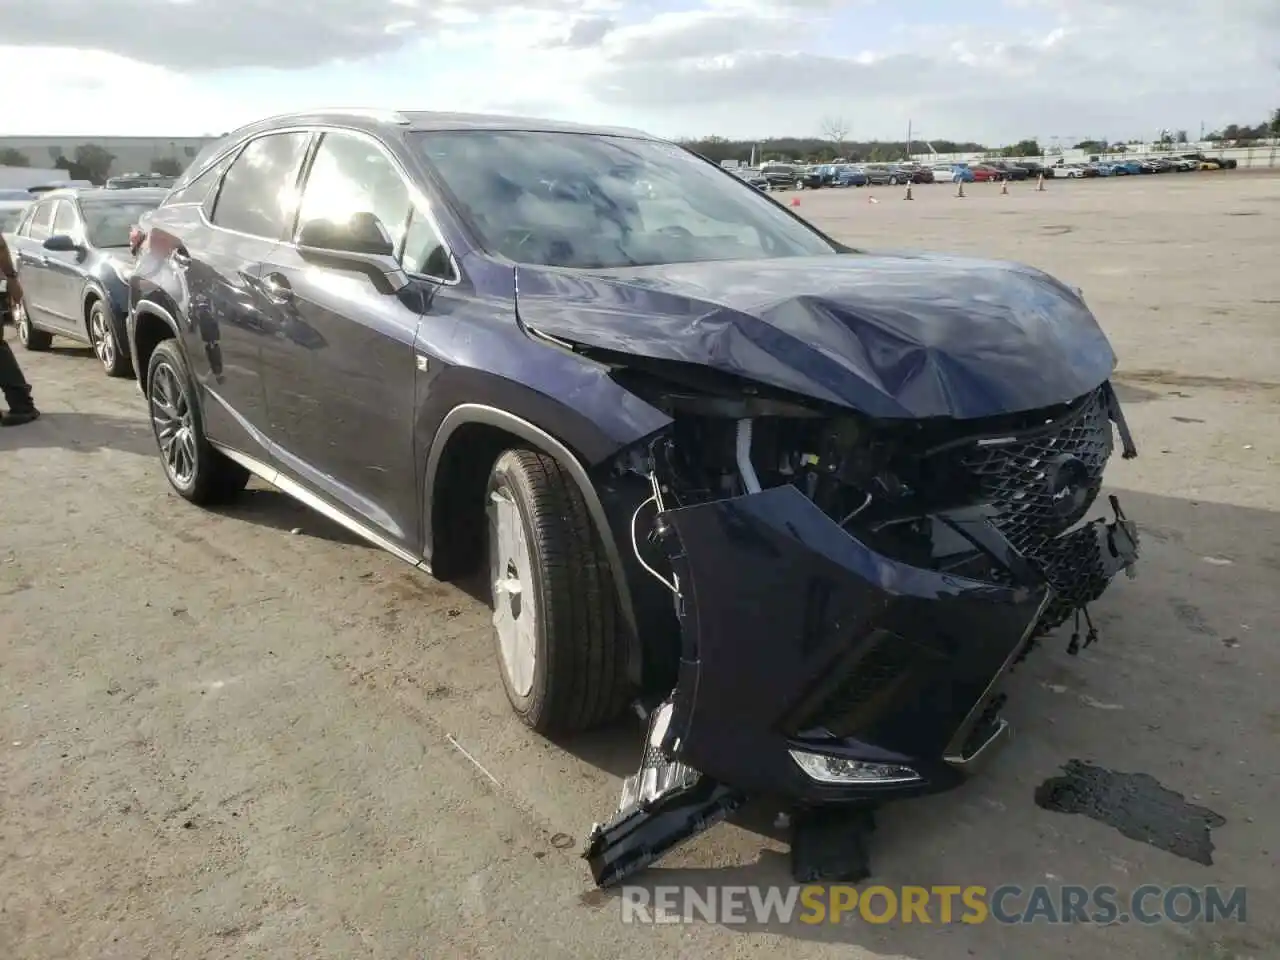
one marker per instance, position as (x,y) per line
(850,594)
(851,589)
(868,495)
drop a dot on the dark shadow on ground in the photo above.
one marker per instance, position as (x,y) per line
(82,432)
(1127,393)
(268,507)
(1183,665)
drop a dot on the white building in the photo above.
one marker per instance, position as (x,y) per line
(130,154)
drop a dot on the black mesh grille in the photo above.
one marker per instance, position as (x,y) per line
(1022,479)
(880,672)
(1017,478)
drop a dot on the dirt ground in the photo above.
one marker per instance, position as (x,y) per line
(243,734)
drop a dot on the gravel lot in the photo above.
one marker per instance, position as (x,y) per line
(242,734)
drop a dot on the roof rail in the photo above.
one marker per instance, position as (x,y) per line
(372,113)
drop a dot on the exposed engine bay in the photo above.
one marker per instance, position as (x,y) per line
(849,592)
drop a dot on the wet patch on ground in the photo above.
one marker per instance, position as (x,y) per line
(1137,805)
(1190,616)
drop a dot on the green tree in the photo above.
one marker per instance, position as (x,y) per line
(9,157)
(167,167)
(1275,122)
(1023,148)
(96,160)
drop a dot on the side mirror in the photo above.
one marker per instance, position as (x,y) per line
(363,236)
(361,243)
(62,243)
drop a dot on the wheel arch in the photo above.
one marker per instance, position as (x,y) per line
(152,324)
(117,301)
(470,438)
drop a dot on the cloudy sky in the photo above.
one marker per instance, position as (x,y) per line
(990,70)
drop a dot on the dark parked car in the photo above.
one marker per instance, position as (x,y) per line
(910,173)
(72,253)
(880,173)
(1010,171)
(817,176)
(132,181)
(804,505)
(781,176)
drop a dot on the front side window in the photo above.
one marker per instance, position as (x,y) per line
(107,222)
(259,193)
(64,220)
(352,175)
(600,202)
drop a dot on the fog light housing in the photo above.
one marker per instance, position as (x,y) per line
(837,770)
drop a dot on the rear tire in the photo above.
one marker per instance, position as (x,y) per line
(28,335)
(558,632)
(195,470)
(105,343)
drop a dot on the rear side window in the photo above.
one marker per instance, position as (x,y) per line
(259,194)
(197,191)
(41,220)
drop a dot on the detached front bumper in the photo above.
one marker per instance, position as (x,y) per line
(821,672)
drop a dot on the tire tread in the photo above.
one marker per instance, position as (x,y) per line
(585,676)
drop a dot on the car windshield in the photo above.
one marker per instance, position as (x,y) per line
(107,222)
(602,202)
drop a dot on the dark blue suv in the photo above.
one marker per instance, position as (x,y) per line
(801,504)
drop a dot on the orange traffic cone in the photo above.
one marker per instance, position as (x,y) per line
(908,196)
(795,201)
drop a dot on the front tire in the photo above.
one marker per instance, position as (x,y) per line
(195,470)
(558,631)
(105,343)
(28,335)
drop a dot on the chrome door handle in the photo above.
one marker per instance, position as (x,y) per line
(277,288)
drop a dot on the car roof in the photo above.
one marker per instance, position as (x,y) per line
(102,193)
(425,120)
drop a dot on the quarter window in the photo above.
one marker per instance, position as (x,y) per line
(41,219)
(197,191)
(259,193)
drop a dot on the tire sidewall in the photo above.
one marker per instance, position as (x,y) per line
(109,331)
(168,355)
(23,324)
(508,477)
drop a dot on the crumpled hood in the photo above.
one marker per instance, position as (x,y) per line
(891,335)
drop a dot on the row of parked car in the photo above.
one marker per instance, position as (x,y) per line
(73,246)
(790,176)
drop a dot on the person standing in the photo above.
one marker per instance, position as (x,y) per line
(17,392)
